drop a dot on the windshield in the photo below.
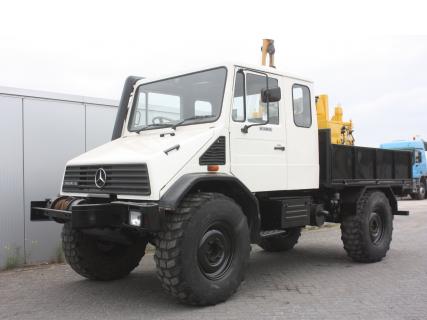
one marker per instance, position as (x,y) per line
(196,97)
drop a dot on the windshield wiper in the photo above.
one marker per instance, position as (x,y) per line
(191,118)
(156,125)
(171,125)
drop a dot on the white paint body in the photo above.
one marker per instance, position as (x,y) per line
(251,157)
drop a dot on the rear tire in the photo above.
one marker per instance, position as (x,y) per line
(99,260)
(203,252)
(367,234)
(283,242)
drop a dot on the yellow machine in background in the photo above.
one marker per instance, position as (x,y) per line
(341,131)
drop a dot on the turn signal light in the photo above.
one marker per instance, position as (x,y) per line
(213,167)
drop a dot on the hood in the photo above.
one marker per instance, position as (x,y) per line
(149,147)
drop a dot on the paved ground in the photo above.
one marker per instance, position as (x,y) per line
(314,281)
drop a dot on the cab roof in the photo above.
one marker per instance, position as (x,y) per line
(228,65)
(405,144)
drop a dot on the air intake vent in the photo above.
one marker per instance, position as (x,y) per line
(107,179)
(215,154)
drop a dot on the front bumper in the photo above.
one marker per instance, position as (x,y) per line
(413,186)
(113,214)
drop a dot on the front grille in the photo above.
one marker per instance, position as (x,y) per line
(215,153)
(120,179)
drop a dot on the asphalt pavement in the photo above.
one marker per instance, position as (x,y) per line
(316,280)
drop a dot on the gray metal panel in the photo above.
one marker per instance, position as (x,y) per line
(54,132)
(25,93)
(11,180)
(99,124)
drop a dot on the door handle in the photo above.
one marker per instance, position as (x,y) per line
(279,147)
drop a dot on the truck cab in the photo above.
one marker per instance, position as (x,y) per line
(418,148)
(178,125)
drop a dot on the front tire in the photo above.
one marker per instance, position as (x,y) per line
(100,260)
(421,194)
(282,242)
(203,252)
(367,234)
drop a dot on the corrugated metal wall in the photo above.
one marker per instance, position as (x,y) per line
(39,132)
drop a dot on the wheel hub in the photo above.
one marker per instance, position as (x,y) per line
(215,252)
(376,227)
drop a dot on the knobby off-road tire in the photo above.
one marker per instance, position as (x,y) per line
(99,260)
(421,194)
(283,242)
(367,234)
(203,251)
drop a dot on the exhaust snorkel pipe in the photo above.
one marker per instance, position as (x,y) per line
(123,106)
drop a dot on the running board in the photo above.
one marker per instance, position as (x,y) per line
(271,233)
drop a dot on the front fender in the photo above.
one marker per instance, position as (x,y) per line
(215,182)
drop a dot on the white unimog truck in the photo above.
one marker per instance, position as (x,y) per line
(205,163)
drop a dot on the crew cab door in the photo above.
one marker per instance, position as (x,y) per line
(258,156)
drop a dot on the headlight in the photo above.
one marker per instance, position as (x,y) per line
(135,218)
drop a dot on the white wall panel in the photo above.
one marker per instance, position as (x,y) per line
(11,179)
(54,132)
(99,124)
(39,132)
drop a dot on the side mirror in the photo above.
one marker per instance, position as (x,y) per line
(271,95)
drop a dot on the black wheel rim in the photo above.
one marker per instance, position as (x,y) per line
(376,227)
(215,251)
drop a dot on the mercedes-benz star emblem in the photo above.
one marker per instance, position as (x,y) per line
(100,178)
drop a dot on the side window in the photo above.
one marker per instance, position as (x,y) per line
(418,156)
(274,106)
(256,110)
(238,111)
(301,106)
(249,95)
(202,108)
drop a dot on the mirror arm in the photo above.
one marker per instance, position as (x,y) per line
(246,127)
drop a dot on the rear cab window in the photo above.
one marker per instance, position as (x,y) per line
(301,104)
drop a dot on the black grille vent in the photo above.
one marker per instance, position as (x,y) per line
(120,179)
(215,154)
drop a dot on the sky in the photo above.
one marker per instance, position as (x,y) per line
(369,56)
